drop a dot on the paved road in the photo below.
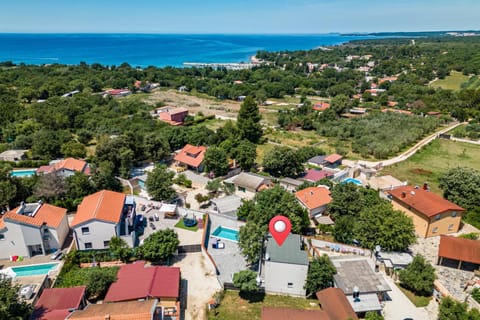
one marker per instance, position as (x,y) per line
(407,154)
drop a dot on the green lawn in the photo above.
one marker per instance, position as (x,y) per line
(182,226)
(418,301)
(429,163)
(451,82)
(249,307)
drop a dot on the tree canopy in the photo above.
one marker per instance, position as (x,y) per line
(246,281)
(320,275)
(418,276)
(216,161)
(248,120)
(159,184)
(282,162)
(159,246)
(11,307)
(461,185)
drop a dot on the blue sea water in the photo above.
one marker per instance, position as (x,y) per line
(153,49)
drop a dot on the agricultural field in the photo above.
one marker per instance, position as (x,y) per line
(452,82)
(248,306)
(430,162)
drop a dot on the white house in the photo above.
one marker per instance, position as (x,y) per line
(32,229)
(66,167)
(314,199)
(101,216)
(285,267)
(247,184)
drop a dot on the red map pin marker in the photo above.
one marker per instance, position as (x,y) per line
(280,227)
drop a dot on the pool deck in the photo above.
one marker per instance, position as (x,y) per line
(5,263)
(228,260)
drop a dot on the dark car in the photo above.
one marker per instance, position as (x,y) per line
(152,226)
(150,219)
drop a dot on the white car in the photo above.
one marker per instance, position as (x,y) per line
(57,255)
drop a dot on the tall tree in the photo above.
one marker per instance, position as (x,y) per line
(248,120)
(120,249)
(159,245)
(282,162)
(246,281)
(11,307)
(461,185)
(418,276)
(245,155)
(320,275)
(159,184)
(216,161)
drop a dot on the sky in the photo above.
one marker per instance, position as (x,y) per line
(236,16)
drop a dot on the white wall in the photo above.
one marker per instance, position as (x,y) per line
(17,238)
(99,232)
(278,275)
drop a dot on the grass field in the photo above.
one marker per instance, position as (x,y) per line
(249,307)
(418,301)
(430,162)
(451,82)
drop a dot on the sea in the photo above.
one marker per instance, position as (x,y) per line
(142,50)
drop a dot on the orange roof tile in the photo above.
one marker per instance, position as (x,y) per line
(2,224)
(71,164)
(423,201)
(333,158)
(191,155)
(104,205)
(314,197)
(281,313)
(52,216)
(466,250)
(321,106)
(138,310)
(335,304)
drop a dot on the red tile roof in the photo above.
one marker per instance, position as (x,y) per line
(314,197)
(55,303)
(135,281)
(191,155)
(104,205)
(2,224)
(423,201)
(333,158)
(71,164)
(137,310)
(321,106)
(47,214)
(335,304)
(276,313)
(459,249)
(316,175)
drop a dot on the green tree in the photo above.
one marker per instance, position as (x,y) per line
(343,229)
(120,249)
(11,307)
(104,177)
(78,186)
(340,104)
(247,207)
(320,275)
(159,184)
(156,147)
(418,276)
(98,282)
(159,246)
(214,186)
(282,162)
(248,120)
(371,315)
(452,310)
(461,185)
(250,240)
(246,281)
(382,225)
(216,161)
(346,200)
(73,149)
(246,152)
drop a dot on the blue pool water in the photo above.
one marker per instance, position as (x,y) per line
(225,233)
(34,270)
(352,180)
(23,173)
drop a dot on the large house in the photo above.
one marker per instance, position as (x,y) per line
(191,157)
(314,199)
(286,267)
(138,310)
(32,229)
(66,167)
(101,216)
(58,303)
(247,184)
(172,115)
(432,215)
(136,281)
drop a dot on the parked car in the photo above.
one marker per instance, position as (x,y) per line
(57,255)
(152,226)
(150,219)
(157,218)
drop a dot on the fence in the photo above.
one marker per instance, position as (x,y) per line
(189,248)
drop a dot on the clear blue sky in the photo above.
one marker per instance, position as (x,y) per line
(237,16)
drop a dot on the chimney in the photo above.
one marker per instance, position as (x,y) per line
(404,194)
(356,294)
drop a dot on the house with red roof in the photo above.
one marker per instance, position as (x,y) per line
(432,215)
(32,229)
(333,160)
(460,253)
(59,303)
(171,115)
(314,175)
(103,215)
(314,199)
(191,157)
(66,167)
(321,106)
(137,310)
(137,281)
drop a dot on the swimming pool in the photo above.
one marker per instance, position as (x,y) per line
(226,233)
(34,269)
(23,173)
(352,180)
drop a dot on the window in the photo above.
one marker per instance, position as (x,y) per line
(85,230)
(434,230)
(242,189)
(450,227)
(88,245)
(106,243)
(454,213)
(45,230)
(437,217)
(2,236)
(290,285)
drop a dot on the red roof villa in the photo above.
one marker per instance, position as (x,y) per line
(136,281)
(191,157)
(314,175)
(172,115)
(58,303)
